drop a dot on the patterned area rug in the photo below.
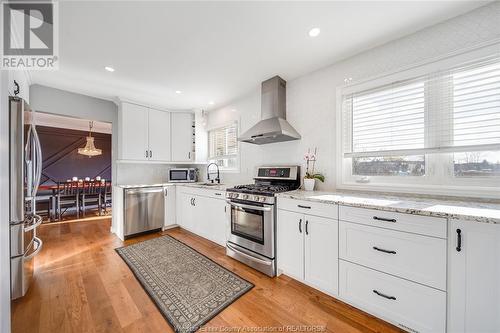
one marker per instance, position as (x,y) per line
(188,288)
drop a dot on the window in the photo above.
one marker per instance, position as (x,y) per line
(442,129)
(223,146)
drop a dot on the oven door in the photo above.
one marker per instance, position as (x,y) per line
(252,227)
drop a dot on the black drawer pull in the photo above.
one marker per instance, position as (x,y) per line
(306,207)
(384,296)
(459,240)
(384,219)
(218,194)
(382,250)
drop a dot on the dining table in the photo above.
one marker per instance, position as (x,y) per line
(53,197)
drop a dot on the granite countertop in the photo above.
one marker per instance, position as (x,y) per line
(486,212)
(217,187)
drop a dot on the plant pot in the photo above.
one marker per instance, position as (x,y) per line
(309,184)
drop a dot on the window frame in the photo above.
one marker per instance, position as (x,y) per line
(439,178)
(237,156)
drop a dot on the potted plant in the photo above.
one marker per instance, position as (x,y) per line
(311,176)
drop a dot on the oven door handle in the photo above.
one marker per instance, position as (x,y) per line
(249,257)
(264,209)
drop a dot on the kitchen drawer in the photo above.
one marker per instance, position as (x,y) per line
(418,224)
(205,192)
(414,257)
(309,207)
(409,305)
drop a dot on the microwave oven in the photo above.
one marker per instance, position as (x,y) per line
(182,175)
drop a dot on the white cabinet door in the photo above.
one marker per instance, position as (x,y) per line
(218,221)
(321,253)
(474,275)
(185,211)
(159,135)
(182,136)
(170,206)
(133,132)
(290,243)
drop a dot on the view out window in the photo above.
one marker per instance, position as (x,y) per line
(476,120)
(223,146)
(441,128)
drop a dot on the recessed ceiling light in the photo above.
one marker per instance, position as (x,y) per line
(314,32)
(178,92)
(211,103)
(109,69)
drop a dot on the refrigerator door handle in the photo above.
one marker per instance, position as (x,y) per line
(37,220)
(38,165)
(39,245)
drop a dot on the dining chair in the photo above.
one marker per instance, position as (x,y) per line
(91,194)
(67,197)
(107,197)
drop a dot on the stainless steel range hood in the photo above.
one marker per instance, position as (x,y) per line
(273,126)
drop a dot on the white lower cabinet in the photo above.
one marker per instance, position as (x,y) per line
(321,253)
(170,206)
(411,306)
(203,213)
(414,257)
(290,244)
(308,250)
(474,277)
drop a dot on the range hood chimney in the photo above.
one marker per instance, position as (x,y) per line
(273,126)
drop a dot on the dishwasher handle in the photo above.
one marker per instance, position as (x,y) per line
(144,190)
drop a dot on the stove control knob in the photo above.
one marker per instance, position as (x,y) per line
(235,195)
(263,199)
(256,198)
(244,196)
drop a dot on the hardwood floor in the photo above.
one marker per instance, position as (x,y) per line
(82,285)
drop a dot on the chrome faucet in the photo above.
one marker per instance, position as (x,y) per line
(208,173)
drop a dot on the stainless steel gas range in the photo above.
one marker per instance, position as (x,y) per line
(252,237)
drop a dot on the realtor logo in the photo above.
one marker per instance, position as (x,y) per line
(29,35)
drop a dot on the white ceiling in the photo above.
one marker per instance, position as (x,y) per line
(219,51)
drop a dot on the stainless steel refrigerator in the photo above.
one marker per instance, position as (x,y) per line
(25,172)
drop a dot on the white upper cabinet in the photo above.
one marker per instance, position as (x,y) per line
(133,142)
(147,134)
(159,135)
(182,137)
(473,277)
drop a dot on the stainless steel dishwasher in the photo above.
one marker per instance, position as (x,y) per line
(144,209)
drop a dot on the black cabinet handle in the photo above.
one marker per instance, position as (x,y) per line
(384,295)
(382,250)
(216,193)
(384,219)
(306,207)
(300,225)
(150,153)
(307,229)
(147,154)
(459,240)
(194,201)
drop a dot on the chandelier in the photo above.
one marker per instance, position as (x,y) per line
(90,149)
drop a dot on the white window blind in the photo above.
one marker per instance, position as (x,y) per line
(223,146)
(446,112)
(476,106)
